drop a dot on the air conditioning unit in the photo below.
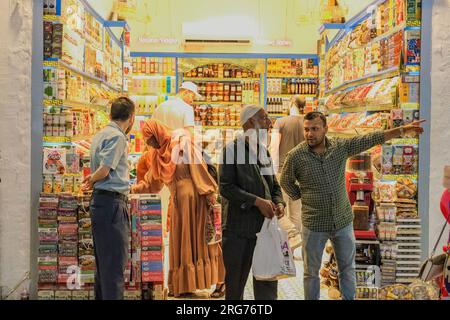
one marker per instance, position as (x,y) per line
(219,42)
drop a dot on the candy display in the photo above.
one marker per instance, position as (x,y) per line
(220,70)
(395,292)
(291,67)
(377,94)
(153,66)
(217,115)
(291,86)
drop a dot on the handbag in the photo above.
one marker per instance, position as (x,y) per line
(434,265)
(214,225)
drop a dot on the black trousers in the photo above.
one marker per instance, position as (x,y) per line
(110,231)
(238,256)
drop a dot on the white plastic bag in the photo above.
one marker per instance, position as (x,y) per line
(272,258)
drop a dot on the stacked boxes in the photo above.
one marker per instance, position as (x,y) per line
(48,239)
(67,237)
(135,241)
(409,250)
(53,38)
(86,256)
(149,208)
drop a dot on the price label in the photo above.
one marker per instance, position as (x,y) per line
(53,102)
(396,177)
(405,141)
(410,106)
(51,18)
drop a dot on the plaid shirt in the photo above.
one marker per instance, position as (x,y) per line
(319,180)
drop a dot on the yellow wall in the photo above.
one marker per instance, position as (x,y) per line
(295,20)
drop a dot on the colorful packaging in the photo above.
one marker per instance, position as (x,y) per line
(57,183)
(54,161)
(68,184)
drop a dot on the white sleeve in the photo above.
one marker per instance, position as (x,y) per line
(189,118)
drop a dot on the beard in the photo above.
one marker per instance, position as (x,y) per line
(129,129)
(316,142)
(262,135)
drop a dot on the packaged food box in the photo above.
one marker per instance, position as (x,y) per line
(46,295)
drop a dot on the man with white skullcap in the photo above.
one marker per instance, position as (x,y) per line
(250,192)
(178,113)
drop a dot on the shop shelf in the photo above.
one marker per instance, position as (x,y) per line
(405,141)
(351,132)
(151,76)
(47,139)
(73,104)
(216,102)
(389,73)
(63,64)
(278,115)
(387,107)
(132,94)
(221,79)
(395,177)
(289,95)
(220,127)
(292,77)
(52,18)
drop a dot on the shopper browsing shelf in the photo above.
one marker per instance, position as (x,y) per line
(178,113)
(287,133)
(193,264)
(314,172)
(250,193)
(109,206)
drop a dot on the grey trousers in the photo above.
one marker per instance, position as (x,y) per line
(110,231)
(238,256)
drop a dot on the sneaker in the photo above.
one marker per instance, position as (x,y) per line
(295,242)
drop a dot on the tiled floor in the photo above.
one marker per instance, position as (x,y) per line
(288,289)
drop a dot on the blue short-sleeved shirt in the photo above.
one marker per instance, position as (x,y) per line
(110,148)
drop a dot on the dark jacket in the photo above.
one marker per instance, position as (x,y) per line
(239,186)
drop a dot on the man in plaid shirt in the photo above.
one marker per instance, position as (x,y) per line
(314,172)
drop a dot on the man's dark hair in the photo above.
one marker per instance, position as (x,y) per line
(122,109)
(314,115)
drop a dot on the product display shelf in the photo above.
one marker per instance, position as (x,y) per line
(389,73)
(387,107)
(289,95)
(74,104)
(49,139)
(396,177)
(400,239)
(290,77)
(351,132)
(219,79)
(89,76)
(218,102)
(220,127)
(277,115)
(151,76)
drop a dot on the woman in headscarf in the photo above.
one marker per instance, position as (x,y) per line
(193,264)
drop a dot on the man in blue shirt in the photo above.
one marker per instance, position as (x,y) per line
(109,179)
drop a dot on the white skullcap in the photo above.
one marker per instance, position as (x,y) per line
(248,112)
